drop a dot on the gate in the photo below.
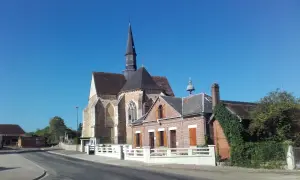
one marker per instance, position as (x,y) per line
(297,157)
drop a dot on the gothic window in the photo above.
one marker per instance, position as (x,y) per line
(132,112)
(110,115)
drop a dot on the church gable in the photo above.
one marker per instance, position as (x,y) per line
(92,88)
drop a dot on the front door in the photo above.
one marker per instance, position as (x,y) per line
(173,138)
(151,140)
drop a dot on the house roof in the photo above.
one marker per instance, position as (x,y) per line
(242,109)
(141,79)
(175,102)
(195,104)
(12,129)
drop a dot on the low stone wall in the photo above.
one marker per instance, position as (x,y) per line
(70,147)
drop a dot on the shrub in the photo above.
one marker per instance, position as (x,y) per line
(267,154)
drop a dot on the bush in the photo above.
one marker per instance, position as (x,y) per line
(267,154)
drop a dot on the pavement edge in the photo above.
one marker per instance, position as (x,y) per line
(44,171)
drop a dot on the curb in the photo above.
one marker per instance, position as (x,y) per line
(87,160)
(44,171)
(41,176)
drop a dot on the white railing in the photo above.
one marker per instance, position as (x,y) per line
(170,152)
(198,156)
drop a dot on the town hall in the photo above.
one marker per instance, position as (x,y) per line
(117,100)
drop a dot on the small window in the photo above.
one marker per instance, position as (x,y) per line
(137,139)
(160,112)
(161,139)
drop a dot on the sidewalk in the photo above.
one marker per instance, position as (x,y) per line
(13,166)
(209,172)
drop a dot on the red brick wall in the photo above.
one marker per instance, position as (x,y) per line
(182,130)
(222,145)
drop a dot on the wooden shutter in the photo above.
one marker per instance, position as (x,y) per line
(141,139)
(165,139)
(157,138)
(193,139)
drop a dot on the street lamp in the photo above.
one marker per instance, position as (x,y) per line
(77,129)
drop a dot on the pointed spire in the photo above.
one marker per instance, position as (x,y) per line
(190,86)
(130,50)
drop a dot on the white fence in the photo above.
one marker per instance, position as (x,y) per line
(197,156)
(112,151)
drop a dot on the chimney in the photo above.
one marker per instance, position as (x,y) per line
(215,94)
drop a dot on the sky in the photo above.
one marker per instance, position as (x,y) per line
(49,49)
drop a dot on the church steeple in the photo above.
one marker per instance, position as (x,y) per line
(130,55)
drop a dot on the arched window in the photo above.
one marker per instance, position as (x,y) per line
(110,115)
(160,112)
(132,112)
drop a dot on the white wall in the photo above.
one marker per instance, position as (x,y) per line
(69,147)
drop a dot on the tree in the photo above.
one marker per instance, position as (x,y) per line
(57,128)
(79,127)
(276,117)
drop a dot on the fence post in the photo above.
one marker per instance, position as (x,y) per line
(290,158)
(88,149)
(190,152)
(120,152)
(146,154)
(125,152)
(212,153)
(96,149)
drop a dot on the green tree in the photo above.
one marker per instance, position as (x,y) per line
(79,127)
(57,128)
(276,117)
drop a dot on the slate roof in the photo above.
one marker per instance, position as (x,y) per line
(130,43)
(108,83)
(112,83)
(175,102)
(163,82)
(195,104)
(242,109)
(141,79)
(11,129)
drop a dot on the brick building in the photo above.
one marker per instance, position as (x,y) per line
(240,109)
(174,122)
(187,122)
(10,134)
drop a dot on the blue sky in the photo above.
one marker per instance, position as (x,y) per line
(49,48)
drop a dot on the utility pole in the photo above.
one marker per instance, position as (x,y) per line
(77,129)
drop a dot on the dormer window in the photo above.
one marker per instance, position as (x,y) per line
(160,112)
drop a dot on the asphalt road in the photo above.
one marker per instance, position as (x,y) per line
(63,168)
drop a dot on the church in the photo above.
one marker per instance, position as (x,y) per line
(118,100)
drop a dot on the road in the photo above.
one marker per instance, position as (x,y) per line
(62,168)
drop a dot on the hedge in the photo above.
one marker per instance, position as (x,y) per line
(267,154)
